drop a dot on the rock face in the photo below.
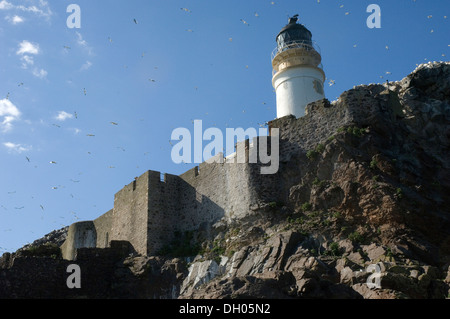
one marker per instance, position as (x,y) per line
(358,209)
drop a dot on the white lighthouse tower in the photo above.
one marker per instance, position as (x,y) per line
(298,77)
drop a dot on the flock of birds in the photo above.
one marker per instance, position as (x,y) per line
(74,215)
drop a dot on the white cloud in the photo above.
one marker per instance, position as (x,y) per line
(38,7)
(16,148)
(86,66)
(5,5)
(8,114)
(83,43)
(14,20)
(26,47)
(75,130)
(40,73)
(62,116)
(80,39)
(26,61)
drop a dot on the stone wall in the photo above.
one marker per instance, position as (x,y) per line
(216,190)
(153,208)
(196,200)
(131,210)
(361,105)
(23,277)
(103,226)
(164,213)
(79,235)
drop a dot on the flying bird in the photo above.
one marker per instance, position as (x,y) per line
(245,22)
(114,123)
(135,21)
(75,215)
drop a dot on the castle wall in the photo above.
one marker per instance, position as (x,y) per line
(195,200)
(149,211)
(79,235)
(152,209)
(220,190)
(165,213)
(303,134)
(130,214)
(103,225)
(323,119)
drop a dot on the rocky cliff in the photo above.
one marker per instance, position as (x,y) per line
(365,201)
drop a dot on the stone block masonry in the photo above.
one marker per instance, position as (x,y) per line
(149,211)
(131,212)
(40,277)
(374,162)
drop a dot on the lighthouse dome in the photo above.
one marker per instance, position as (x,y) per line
(293,32)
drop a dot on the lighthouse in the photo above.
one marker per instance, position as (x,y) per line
(298,76)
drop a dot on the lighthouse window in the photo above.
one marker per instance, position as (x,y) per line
(318,87)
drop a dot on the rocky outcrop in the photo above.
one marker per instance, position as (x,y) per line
(358,209)
(370,196)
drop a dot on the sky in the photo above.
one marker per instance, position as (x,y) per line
(84,109)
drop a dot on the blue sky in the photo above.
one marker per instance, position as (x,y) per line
(85,110)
